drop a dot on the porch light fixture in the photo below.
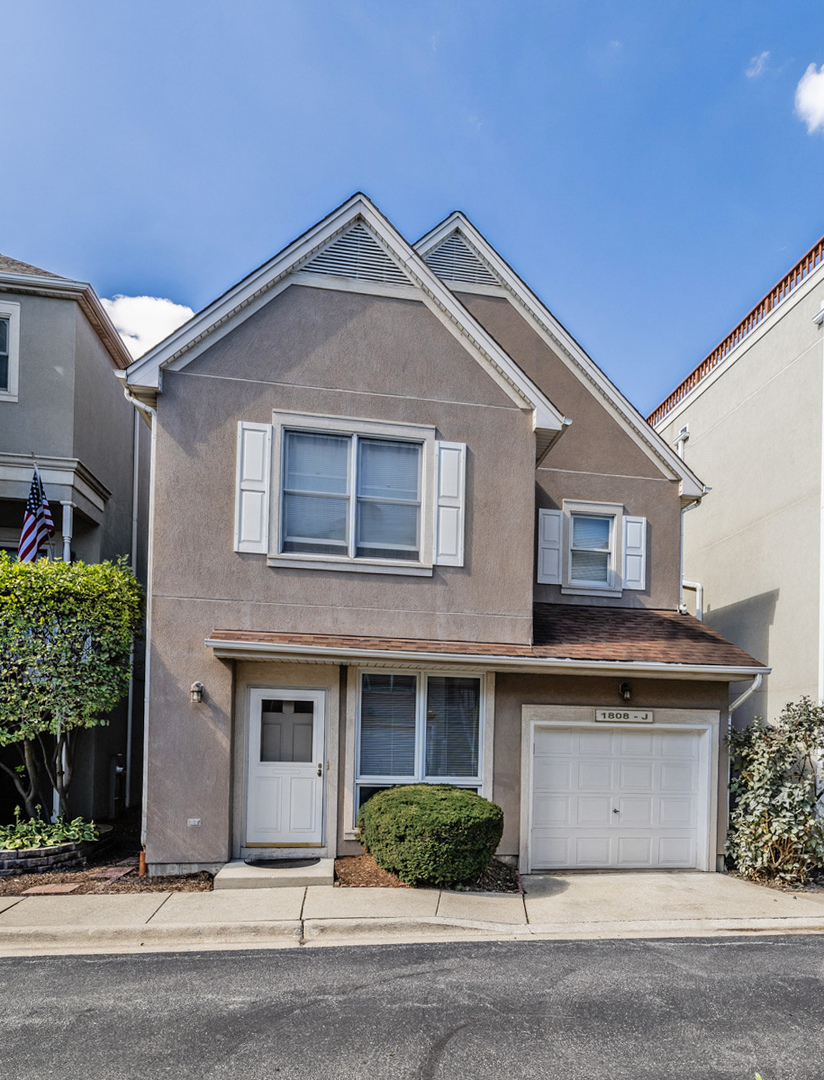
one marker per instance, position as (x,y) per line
(624,689)
(196,693)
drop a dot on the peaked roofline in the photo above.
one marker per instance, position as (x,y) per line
(556,334)
(146,372)
(79,291)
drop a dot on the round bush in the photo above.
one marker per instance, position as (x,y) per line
(431,834)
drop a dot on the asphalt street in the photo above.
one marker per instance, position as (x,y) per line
(685,1008)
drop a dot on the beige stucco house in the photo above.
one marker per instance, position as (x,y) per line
(62,408)
(748,419)
(405,530)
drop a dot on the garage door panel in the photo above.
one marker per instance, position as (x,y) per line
(597,743)
(616,798)
(635,776)
(594,775)
(677,777)
(635,811)
(593,810)
(551,811)
(634,851)
(593,851)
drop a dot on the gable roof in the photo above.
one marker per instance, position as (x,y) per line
(354,241)
(20,277)
(467,261)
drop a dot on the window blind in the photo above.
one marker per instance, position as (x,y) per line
(387,737)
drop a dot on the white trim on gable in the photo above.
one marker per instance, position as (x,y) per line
(560,340)
(259,287)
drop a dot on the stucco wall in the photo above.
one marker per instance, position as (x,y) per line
(755,438)
(348,355)
(595,460)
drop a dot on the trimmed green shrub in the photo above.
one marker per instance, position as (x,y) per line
(775,828)
(431,834)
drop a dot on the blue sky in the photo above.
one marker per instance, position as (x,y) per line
(640,164)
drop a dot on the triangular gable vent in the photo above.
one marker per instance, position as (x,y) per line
(357,254)
(454,260)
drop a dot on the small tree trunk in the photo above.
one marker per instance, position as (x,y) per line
(62,763)
(26,785)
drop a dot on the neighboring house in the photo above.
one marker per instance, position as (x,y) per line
(749,420)
(405,530)
(62,407)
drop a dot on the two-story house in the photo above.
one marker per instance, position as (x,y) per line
(62,408)
(405,530)
(750,419)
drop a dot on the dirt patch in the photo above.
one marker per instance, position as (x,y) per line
(362,872)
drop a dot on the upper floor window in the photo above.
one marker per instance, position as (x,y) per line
(329,493)
(9,349)
(351,496)
(592,549)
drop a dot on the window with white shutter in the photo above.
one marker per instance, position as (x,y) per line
(635,553)
(450,473)
(550,546)
(254,463)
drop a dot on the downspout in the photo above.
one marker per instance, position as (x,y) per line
(150,415)
(733,705)
(698,589)
(133,563)
(682,607)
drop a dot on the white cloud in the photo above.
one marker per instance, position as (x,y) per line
(142,321)
(809,99)
(757,65)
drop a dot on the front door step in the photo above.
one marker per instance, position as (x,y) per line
(240,875)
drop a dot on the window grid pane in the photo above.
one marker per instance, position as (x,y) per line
(388,723)
(590,549)
(452,726)
(4,354)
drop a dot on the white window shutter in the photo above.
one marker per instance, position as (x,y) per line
(635,553)
(450,503)
(254,464)
(550,543)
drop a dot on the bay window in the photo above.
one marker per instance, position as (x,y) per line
(417,728)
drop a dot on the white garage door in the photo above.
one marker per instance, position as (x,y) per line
(613,797)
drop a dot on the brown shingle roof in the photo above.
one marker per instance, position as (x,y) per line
(561,632)
(14,266)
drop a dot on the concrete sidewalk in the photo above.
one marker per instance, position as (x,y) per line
(559,906)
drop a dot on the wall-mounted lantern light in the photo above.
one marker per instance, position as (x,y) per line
(624,689)
(196,693)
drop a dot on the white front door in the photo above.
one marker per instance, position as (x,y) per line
(618,797)
(286,774)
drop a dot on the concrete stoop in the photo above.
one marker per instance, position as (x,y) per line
(240,875)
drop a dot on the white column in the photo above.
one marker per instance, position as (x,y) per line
(68,522)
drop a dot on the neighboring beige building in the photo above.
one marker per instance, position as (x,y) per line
(405,530)
(62,407)
(749,419)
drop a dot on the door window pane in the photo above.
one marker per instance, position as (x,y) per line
(387,736)
(452,726)
(286,730)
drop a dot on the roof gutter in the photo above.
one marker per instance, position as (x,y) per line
(246,650)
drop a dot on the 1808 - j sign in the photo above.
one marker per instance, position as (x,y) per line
(624,716)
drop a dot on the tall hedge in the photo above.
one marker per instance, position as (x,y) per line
(431,834)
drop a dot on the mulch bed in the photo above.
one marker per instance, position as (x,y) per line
(362,872)
(111,870)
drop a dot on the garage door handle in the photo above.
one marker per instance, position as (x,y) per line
(616,811)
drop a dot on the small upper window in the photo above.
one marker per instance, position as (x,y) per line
(592,550)
(9,349)
(351,496)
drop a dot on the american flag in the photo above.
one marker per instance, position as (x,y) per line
(37,521)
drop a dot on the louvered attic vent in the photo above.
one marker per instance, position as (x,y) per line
(357,254)
(454,260)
